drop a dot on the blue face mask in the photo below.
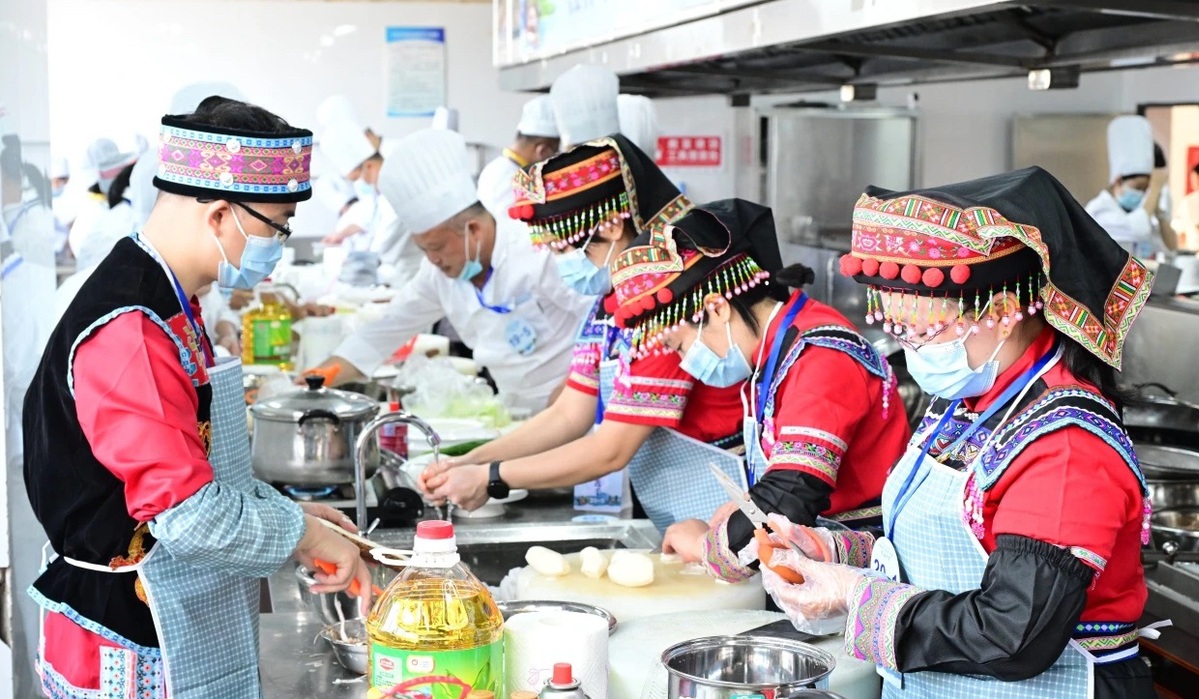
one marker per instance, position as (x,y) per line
(472,267)
(364,191)
(258,260)
(710,369)
(943,370)
(582,275)
(1130,199)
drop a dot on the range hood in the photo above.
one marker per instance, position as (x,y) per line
(816,45)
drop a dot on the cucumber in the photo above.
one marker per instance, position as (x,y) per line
(464,448)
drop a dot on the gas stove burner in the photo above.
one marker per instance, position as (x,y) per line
(308,494)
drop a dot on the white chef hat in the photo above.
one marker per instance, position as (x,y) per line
(336,108)
(190,96)
(345,144)
(584,99)
(428,179)
(445,118)
(107,161)
(333,190)
(59,168)
(639,122)
(1129,147)
(537,118)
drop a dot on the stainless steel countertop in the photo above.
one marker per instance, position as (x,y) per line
(292,666)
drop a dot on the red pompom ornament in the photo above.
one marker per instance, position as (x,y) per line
(664,296)
(850,265)
(960,274)
(521,212)
(888,270)
(647,303)
(911,274)
(933,277)
(870,266)
(611,304)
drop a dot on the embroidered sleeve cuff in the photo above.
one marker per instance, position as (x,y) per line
(583,383)
(820,460)
(874,607)
(853,548)
(720,560)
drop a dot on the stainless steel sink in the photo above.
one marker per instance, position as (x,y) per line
(491,551)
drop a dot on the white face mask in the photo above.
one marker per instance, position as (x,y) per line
(944,370)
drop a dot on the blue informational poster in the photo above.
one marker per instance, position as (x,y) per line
(416,71)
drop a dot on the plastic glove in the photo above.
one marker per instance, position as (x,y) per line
(816,542)
(819,604)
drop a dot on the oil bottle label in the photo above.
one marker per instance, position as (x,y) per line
(447,674)
(272,340)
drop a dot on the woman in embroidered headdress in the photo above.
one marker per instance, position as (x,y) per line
(822,418)
(587,205)
(1011,562)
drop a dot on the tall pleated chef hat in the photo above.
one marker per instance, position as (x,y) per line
(336,108)
(59,168)
(668,276)
(107,160)
(571,196)
(345,144)
(427,179)
(1129,147)
(212,162)
(639,121)
(537,118)
(584,100)
(1020,232)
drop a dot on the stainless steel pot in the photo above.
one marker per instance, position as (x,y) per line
(1172,475)
(724,667)
(1179,525)
(1159,412)
(307,437)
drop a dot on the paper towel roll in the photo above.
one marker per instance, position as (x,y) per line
(534,641)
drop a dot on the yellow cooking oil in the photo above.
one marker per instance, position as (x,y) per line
(266,332)
(435,632)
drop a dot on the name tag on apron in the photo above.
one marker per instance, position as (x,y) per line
(884,561)
(521,336)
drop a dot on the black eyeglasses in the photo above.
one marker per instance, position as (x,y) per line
(282,231)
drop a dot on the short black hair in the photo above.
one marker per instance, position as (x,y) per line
(10,157)
(222,112)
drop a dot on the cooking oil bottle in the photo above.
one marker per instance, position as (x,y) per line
(266,331)
(436,630)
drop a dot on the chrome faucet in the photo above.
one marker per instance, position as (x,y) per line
(362,448)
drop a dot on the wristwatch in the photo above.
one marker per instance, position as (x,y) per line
(496,487)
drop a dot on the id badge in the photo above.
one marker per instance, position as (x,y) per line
(521,336)
(884,562)
(605,494)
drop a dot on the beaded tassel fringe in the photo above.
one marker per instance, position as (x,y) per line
(565,231)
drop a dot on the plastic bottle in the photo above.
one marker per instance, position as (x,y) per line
(436,629)
(394,436)
(563,685)
(266,331)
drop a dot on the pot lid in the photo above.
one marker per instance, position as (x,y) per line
(1167,463)
(290,407)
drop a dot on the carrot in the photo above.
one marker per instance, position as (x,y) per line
(766,549)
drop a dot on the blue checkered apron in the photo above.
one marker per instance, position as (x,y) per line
(670,471)
(937,551)
(207,621)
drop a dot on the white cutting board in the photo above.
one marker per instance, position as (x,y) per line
(673,590)
(635,651)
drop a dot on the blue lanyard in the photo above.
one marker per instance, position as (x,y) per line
(776,347)
(201,339)
(502,310)
(906,491)
(610,333)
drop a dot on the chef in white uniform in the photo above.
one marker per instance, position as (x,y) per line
(106,160)
(378,230)
(536,140)
(1120,208)
(639,122)
(585,104)
(504,298)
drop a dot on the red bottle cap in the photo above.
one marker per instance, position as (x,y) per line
(562,674)
(436,529)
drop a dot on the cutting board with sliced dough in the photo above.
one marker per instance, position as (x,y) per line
(677,587)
